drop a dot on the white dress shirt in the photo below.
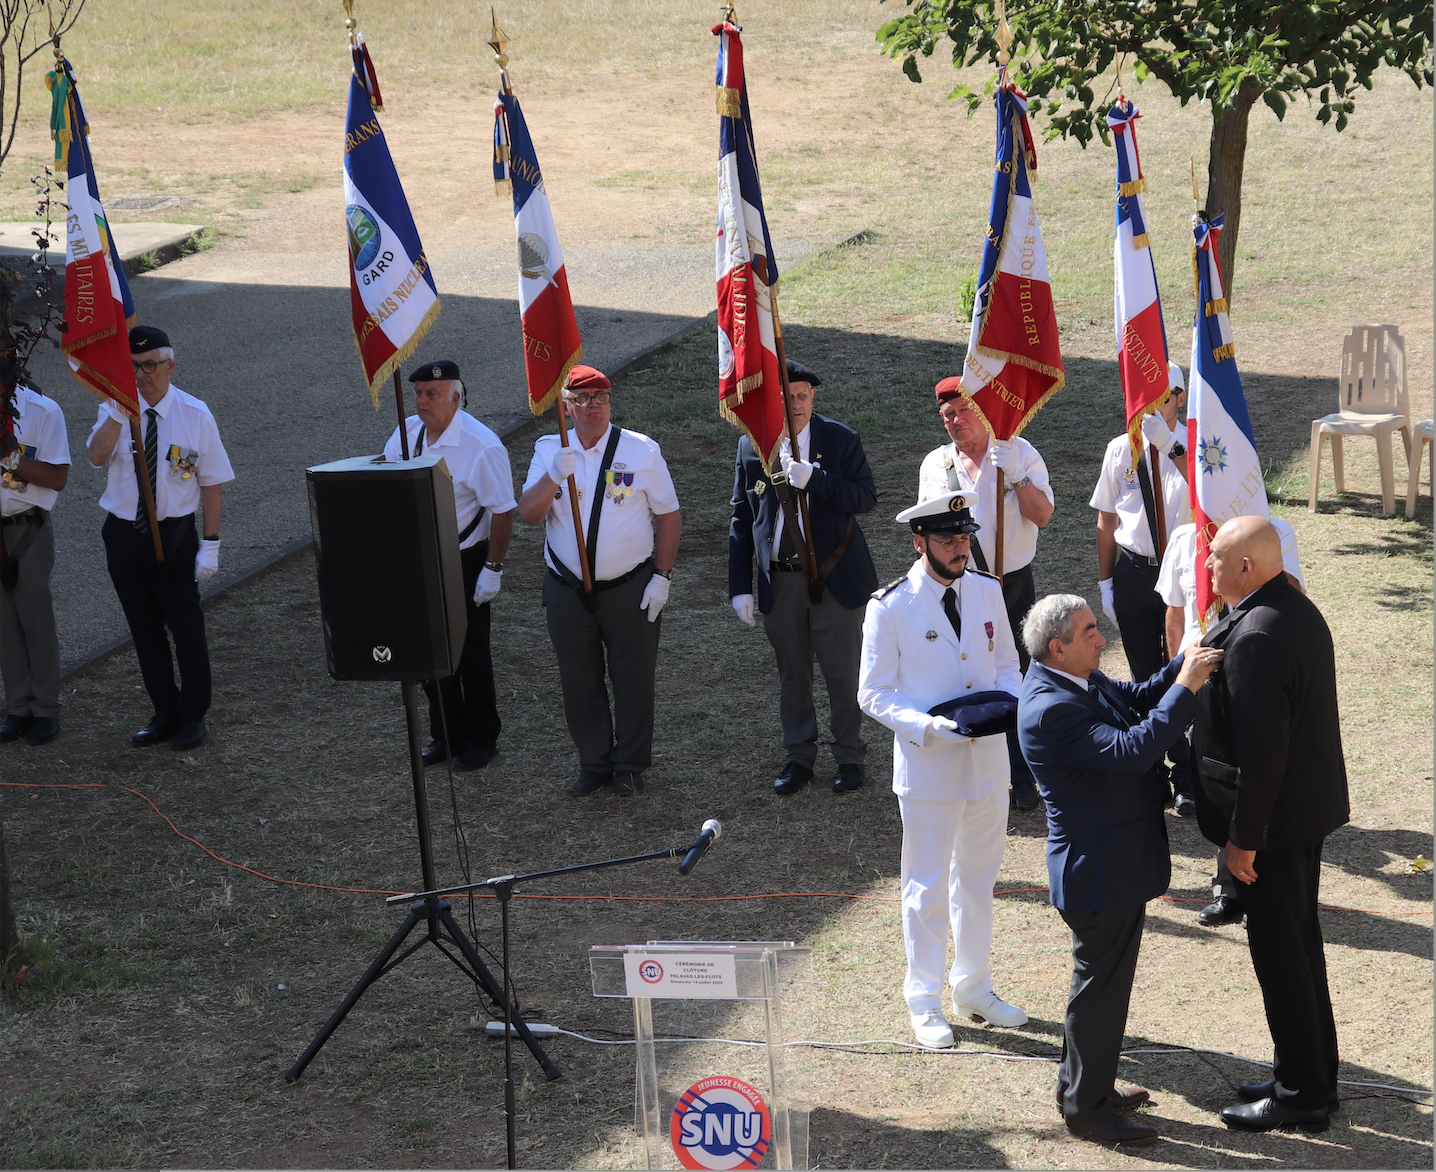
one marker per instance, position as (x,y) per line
(40,431)
(804,445)
(477,462)
(1120,491)
(189,442)
(641,490)
(1019,536)
(1177,579)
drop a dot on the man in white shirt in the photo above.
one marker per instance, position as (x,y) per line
(629,514)
(936,635)
(32,474)
(1177,586)
(1127,556)
(186,465)
(971,461)
(463,708)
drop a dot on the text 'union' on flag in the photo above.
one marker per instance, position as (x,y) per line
(750,392)
(391,289)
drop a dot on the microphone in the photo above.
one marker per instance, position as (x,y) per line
(711,832)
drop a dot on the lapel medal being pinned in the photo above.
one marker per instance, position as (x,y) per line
(988,628)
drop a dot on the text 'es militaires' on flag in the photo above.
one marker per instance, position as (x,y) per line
(98,306)
(1137,306)
(1014,359)
(1223,472)
(750,391)
(391,287)
(552,344)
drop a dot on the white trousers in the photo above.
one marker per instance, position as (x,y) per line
(951,853)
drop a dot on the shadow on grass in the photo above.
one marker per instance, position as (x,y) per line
(841,1139)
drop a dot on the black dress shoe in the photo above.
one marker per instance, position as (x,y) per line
(849,778)
(587,782)
(473,759)
(1123,1098)
(627,784)
(1255,1092)
(434,752)
(1225,909)
(1111,1129)
(43,731)
(793,778)
(1025,795)
(161,728)
(1269,1115)
(189,735)
(15,727)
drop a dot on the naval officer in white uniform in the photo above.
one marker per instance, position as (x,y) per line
(937,634)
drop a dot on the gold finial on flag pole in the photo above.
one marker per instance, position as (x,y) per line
(499,42)
(350,24)
(1003,35)
(728,14)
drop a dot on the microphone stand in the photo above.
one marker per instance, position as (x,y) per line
(503,889)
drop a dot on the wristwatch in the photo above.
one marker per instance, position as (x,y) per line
(1023,483)
(211,536)
(663,573)
(497,567)
(1177,451)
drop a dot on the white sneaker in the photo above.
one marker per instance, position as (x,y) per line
(931,1029)
(992,1009)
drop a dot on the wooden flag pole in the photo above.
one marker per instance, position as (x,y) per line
(146,489)
(573,502)
(1001,526)
(403,424)
(810,557)
(1003,37)
(1159,502)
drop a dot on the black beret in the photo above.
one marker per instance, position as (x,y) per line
(798,373)
(428,372)
(144,338)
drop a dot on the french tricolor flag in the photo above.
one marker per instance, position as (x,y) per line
(750,392)
(1223,472)
(1014,358)
(1141,333)
(552,344)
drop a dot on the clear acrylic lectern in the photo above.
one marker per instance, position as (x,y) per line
(722,1076)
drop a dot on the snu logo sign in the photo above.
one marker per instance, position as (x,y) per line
(720,1122)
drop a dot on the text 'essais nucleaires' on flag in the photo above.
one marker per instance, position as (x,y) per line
(389,306)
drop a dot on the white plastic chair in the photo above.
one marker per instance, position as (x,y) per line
(1425,434)
(1372,402)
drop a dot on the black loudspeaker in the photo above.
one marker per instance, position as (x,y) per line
(391,588)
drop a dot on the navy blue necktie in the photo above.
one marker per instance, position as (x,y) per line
(1117,718)
(152,463)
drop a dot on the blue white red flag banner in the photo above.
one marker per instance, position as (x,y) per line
(552,344)
(364,71)
(1137,305)
(98,307)
(1223,472)
(750,388)
(1014,358)
(391,287)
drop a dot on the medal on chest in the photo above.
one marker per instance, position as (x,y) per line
(988,628)
(181,465)
(12,480)
(1130,476)
(618,486)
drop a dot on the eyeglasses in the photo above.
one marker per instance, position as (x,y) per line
(950,542)
(602,398)
(147,367)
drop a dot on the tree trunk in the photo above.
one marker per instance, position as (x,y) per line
(10,955)
(1224,176)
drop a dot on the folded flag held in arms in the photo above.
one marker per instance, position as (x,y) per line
(750,393)
(98,306)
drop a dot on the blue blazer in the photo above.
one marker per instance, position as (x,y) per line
(837,492)
(1106,835)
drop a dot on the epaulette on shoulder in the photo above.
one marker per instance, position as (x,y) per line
(884,591)
(984,574)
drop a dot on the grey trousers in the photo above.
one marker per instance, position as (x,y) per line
(798,631)
(1104,961)
(29,645)
(620,638)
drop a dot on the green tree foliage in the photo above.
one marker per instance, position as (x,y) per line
(1225,52)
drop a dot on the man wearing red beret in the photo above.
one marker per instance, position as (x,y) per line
(971,462)
(630,519)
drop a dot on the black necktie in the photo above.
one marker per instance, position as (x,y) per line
(1117,718)
(152,462)
(949,607)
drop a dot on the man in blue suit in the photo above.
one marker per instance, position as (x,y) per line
(1094,745)
(801,619)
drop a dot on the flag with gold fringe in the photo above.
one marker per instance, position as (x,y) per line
(98,305)
(392,294)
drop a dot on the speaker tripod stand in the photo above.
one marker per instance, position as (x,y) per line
(433,913)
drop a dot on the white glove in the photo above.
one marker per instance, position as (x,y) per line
(1156,432)
(1109,608)
(743,608)
(945,730)
(654,596)
(206,562)
(562,466)
(112,410)
(488,587)
(799,472)
(1006,456)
